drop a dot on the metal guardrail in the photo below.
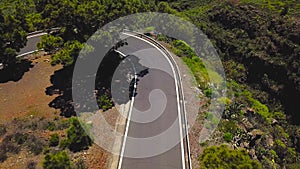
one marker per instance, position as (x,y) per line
(181,94)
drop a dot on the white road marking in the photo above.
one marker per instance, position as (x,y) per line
(27,53)
(32,36)
(128,118)
(120,53)
(126,133)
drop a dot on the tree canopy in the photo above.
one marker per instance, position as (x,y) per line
(224,158)
(77,139)
(13,38)
(59,160)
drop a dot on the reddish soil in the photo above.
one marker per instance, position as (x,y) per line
(27,96)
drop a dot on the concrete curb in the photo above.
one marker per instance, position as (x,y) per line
(120,127)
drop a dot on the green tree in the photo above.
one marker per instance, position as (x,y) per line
(50,43)
(222,157)
(77,139)
(164,7)
(59,160)
(68,54)
(13,38)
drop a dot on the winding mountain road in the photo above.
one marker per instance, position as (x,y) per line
(154,137)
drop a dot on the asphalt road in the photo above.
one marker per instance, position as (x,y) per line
(154,133)
(31,44)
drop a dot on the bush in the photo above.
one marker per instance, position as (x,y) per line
(35,145)
(31,165)
(208,92)
(51,126)
(77,139)
(64,124)
(54,140)
(2,130)
(183,49)
(293,166)
(105,102)
(8,146)
(20,138)
(225,158)
(59,160)
(80,164)
(260,108)
(3,155)
(227,137)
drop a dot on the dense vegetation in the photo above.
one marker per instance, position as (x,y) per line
(59,160)
(258,42)
(223,157)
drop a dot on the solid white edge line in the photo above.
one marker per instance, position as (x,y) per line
(125,135)
(120,53)
(27,53)
(128,121)
(179,115)
(32,36)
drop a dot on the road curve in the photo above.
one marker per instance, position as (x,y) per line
(33,39)
(31,45)
(158,86)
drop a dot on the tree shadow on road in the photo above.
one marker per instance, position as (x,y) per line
(62,84)
(16,71)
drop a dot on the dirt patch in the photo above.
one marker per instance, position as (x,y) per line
(27,96)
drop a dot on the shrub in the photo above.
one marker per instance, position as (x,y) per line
(64,124)
(2,130)
(35,145)
(54,140)
(77,139)
(229,126)
(228,137)
(51,126)
(225,158)
(80,164)
(260,108)
(293,166)
(31,165)
(183,49)
(280,144)
(3,155)
(11,147)
(59,160)
(208,92)
(20,138)
(105,102)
